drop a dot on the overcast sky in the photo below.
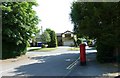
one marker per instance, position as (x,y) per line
(54,14)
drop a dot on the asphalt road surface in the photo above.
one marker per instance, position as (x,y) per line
(59,62)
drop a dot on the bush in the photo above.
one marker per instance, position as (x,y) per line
(79,41)
(44,46)
(11,50)
(89,42)
(105,53)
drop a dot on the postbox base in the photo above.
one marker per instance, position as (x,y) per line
(82,63)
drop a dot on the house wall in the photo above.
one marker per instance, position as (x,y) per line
(65,39)
(68,40)
(68,43)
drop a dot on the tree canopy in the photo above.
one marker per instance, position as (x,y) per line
(95,19)
(19,22)
(99,21)
(45,37)
(53,42)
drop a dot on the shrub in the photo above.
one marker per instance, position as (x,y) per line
(43,46)
(79,41)
(89,42)
(105,53)
(11,50)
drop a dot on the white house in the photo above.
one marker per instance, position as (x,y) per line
(66,39)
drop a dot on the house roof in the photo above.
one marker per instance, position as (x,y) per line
(60,34)
(67,32)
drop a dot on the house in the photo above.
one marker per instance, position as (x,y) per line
(66,39)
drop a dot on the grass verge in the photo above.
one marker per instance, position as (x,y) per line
(74,49)
(43,49)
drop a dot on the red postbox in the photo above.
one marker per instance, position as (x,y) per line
(82,54)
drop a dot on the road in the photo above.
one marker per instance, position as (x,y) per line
(55,63)
(60,63)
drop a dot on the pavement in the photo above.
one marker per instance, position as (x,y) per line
(93,68)
(59,62)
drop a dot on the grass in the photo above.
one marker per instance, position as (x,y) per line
(43,49)
(74,49)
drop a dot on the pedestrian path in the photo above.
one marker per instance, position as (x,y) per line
(94,68)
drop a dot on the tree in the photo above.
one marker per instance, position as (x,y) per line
(53,42)
(99,21)
(19,22)
(45,37)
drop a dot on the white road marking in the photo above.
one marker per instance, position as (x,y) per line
(72,64)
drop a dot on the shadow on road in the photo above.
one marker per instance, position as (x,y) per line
(54,65)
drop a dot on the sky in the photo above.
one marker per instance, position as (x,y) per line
(54,14)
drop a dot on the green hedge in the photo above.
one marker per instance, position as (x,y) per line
(10,50)
(105,53)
